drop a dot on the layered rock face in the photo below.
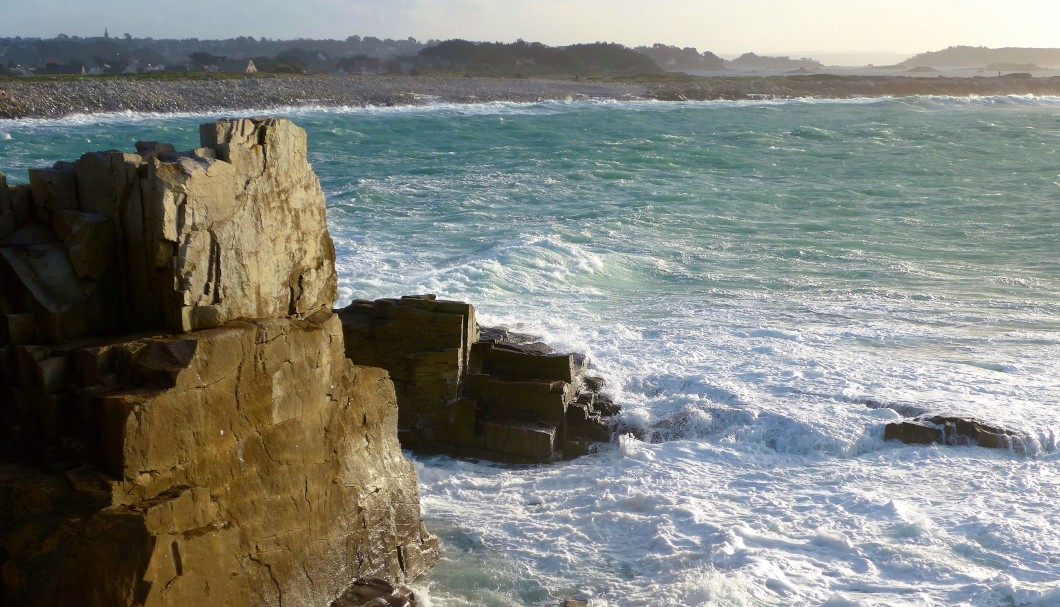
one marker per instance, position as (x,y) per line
(179,421)
(121,242)
(493,397)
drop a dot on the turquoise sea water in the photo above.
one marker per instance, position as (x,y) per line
(764,286)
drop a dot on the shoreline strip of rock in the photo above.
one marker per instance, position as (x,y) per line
(56,97)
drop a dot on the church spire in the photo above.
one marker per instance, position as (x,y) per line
(106,34)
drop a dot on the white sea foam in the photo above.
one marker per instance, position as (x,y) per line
(771,483)
(689,523)
(512,108)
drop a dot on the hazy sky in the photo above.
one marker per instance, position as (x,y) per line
(725,27)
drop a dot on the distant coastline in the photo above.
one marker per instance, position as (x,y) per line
(54,97)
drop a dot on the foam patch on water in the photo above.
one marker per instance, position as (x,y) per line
(691,523)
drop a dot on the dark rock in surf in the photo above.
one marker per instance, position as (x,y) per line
(950,431)
(481,393)
(374,592)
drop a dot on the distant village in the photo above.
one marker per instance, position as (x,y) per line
(124,54)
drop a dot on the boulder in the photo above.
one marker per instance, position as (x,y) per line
(913,432)
(424,344)
(8,223)
(106,182)
(492,358)
(40,279)
(518,442)
(89,241)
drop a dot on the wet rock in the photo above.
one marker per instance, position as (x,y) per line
(950,431)
(471,392)
(523,341)
(374,592)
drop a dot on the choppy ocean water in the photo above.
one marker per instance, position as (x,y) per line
(764,286)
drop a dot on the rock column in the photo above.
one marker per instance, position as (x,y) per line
(180,424)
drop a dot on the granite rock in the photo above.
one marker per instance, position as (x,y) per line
(505,397)
(179,424)
(179,224)
(374,592)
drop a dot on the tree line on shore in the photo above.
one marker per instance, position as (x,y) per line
(126,54)
(370,55)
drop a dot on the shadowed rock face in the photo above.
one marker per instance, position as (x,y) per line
(950,431)
(179,422)
(374,592)
(490,395)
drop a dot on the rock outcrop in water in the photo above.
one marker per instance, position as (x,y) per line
(499,398)
(950,431)
(179,422)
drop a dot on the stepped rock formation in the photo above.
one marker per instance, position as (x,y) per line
(496,398)
(178,420)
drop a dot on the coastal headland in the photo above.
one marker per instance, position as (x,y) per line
(54,97)
(185,420)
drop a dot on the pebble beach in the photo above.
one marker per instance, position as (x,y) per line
(57,97)
(53,97)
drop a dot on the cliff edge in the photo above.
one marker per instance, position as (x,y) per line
(178,419)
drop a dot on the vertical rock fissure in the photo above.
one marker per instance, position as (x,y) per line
(177,565)
(213,282)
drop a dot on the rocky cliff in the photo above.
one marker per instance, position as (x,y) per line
(179,422)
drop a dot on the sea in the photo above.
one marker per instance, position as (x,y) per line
(763,286)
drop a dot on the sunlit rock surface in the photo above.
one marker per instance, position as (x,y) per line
(180,424)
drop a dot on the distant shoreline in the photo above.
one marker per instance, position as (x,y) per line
(55,97)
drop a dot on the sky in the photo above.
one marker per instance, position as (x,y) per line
(730,27)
